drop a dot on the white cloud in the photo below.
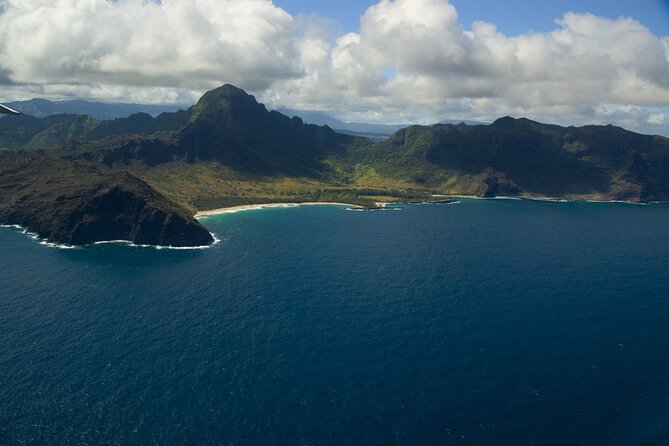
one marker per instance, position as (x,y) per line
(656,118)
(441,70)
(194,44)
(411,61)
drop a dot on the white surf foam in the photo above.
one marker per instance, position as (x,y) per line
(547,200)
(57,246)
(128,243)
(159,248)
(380,209)
(505,198)
(617,202)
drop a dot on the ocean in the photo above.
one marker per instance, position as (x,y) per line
(487,322)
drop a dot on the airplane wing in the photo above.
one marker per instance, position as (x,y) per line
(8,111)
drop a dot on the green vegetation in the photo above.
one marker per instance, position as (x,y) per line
(208,185)
(75,202)
(229,150)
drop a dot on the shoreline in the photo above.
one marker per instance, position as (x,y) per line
(252,207)
(45,242)
(553,199)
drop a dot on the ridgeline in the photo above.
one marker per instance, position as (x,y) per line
(75,179)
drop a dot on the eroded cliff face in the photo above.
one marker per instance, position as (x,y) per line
(513,156)
(495,184)
(123,207)
(77,208)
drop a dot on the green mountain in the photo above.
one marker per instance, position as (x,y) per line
(65,171)
(530,158)
(28,132)
(226,125)
(41,108)
(375,132)
(75,203)
(229,126)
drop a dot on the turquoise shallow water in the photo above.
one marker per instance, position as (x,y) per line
(483,323)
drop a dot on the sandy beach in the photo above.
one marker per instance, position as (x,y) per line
(250,207)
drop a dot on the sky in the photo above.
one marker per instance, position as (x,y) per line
(388,61)
(512,17)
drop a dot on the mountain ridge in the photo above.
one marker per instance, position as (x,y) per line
(229,149)
(41,108)
(376,132)
(75,203)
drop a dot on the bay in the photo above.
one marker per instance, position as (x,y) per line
(487,322)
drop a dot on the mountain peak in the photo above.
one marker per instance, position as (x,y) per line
(226,93)
(515,123)
(505,121)
(227,90)
(227,97)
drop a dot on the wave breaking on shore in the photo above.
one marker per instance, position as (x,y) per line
(127,243)
(255,207)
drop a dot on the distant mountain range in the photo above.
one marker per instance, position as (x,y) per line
(75,178)
(41,108)
(375,132)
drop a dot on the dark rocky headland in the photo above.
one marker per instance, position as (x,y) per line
(78,207)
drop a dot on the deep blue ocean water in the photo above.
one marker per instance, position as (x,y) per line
(493,322)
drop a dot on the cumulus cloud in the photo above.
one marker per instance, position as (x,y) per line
(193,44)
(414,60)
(411,61)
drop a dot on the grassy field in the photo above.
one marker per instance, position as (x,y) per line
(204,186)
